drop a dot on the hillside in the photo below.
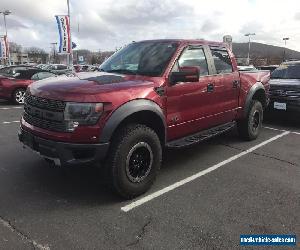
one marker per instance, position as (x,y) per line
(259,50)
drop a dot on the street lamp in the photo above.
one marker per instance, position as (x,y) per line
(6,13)
(249,35)
(70,56)
(54,51)
(284,52)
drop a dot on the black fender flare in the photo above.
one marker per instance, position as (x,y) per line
(256,87)
(125,111)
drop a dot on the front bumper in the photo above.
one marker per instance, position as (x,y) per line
(64,154)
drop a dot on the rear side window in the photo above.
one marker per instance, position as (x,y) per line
(222,61)
(193,57)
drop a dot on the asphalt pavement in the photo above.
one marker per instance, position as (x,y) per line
(204,197)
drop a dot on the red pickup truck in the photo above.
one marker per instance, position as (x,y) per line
(147,96)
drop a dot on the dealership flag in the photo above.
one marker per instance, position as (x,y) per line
(3,47)
(63,23)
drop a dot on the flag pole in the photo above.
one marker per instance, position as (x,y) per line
(70,56)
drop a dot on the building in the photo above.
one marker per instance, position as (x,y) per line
(19,58)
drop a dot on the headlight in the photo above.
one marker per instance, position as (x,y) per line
(82,114)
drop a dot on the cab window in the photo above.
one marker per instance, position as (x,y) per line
(192,57)
(222,61)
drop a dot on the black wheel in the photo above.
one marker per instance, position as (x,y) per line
(134,160)
(249,128)
(19,96)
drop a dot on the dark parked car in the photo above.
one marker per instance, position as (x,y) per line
(14,81)
(285,87)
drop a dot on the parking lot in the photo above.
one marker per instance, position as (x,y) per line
(204,196)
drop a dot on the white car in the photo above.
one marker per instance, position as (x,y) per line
(247,68)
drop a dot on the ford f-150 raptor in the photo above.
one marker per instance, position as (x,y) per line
(147,96)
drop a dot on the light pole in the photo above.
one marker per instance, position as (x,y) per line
(70,56)
(249,45)
(284,52)
(54,51)
(6,13)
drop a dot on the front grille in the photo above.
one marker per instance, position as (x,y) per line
(292,93)
(285,92)
(44,103)
(44,113)
(45,124)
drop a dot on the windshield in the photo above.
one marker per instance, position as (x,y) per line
(287,72)
(144,58)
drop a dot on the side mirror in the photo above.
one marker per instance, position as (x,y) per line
(185,74)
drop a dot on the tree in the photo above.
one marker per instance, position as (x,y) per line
(94,59)
(36,54)
(15,48)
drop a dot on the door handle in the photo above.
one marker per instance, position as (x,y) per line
(235,83)
(210,87)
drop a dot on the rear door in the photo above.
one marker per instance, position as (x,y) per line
(226,87)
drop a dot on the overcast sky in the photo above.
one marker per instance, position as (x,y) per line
(107,24)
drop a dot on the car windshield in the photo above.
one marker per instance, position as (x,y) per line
(287,72)
(144,58)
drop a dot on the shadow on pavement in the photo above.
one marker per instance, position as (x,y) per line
(4,102)
(84,186)
(286,120)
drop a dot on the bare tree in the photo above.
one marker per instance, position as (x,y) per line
(36,54)
(15,48)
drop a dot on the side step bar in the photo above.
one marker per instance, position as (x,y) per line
(200,136)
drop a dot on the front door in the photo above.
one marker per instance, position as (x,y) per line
(189,103)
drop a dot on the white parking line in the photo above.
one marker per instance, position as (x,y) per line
(297,133)
(199,174)
(282,130)
(10,122)
(8,108)
(275,129)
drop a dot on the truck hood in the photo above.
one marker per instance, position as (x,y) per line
(89,85)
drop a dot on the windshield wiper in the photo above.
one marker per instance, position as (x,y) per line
(122,71)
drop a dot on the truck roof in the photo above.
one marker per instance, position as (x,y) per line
(187,41)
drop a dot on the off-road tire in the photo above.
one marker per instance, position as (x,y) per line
(250,127)
(128,142)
